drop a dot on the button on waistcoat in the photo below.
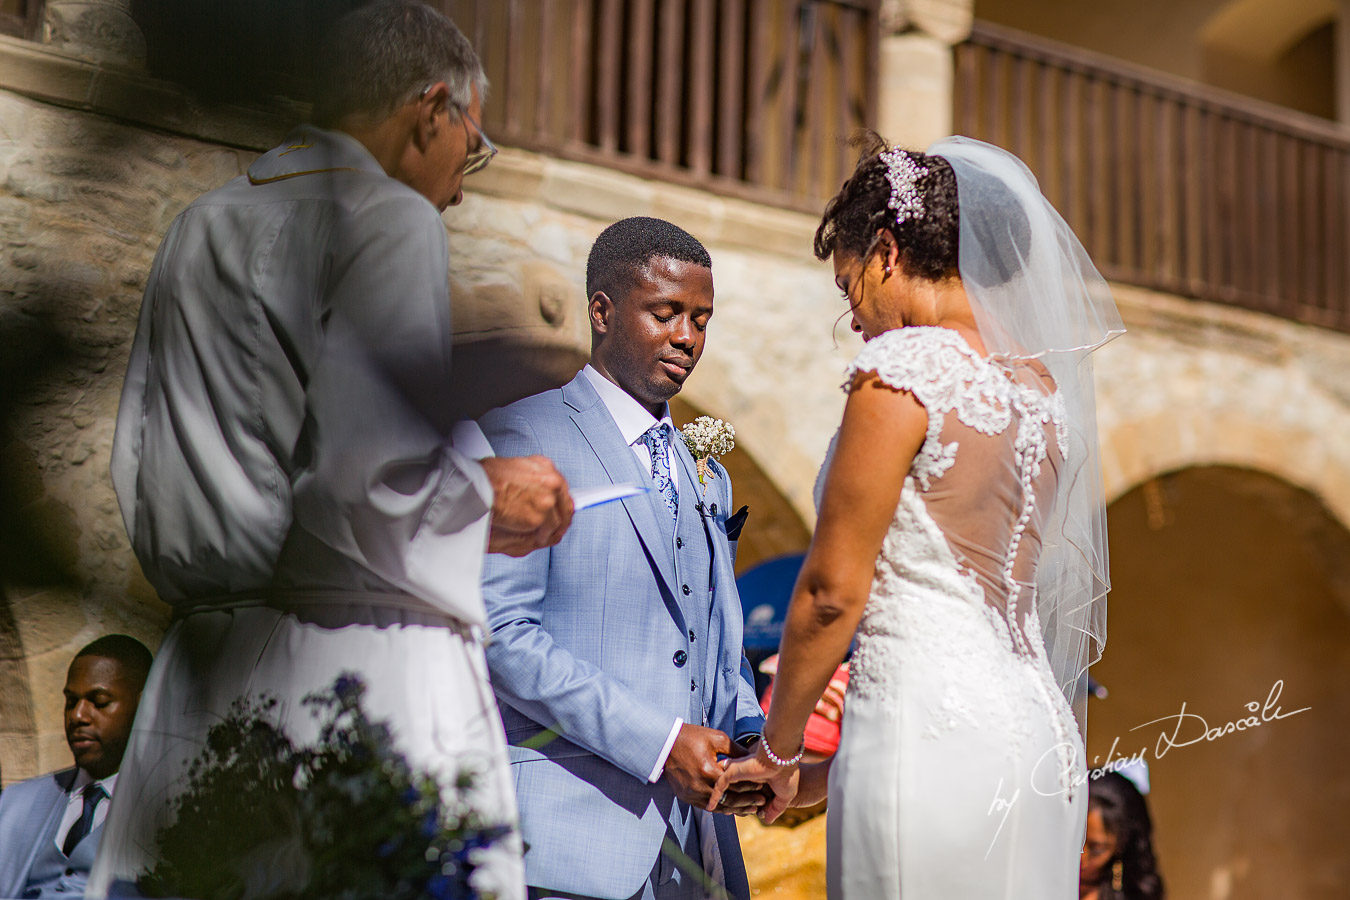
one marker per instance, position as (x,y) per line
(693,579)
(53,874)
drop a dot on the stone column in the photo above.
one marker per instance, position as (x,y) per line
(915,79)
(97,30)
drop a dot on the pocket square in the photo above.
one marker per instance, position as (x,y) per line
(736,522)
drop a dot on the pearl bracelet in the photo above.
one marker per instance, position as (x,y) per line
(779,761)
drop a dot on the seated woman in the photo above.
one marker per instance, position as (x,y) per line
(1118,861)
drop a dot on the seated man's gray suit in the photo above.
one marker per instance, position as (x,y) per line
(31,863)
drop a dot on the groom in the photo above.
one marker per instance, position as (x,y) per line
(616,655)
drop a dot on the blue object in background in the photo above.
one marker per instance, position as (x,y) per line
(765,592)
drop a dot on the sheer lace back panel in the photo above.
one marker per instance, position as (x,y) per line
(987,470)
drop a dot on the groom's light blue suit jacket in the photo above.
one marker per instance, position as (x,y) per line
(600,642)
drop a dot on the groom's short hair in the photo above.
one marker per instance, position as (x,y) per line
(629,244)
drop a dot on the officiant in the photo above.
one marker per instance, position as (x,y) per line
(284,458)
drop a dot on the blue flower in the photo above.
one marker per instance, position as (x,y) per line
(441,887)
(348,687)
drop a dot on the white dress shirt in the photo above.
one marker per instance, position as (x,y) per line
(634,421)
(75,804)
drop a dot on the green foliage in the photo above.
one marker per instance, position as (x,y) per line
(345,819)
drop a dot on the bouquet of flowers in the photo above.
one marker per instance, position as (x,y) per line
(345,819)
(708,438)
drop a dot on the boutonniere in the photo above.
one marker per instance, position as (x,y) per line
(708,438)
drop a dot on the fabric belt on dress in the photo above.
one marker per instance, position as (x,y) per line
(297,601)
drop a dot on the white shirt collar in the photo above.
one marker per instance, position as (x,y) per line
(83,779)
(631,416)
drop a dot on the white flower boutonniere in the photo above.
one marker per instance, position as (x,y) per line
(708,438)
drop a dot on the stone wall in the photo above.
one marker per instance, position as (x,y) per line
(1196,384)
(83,203)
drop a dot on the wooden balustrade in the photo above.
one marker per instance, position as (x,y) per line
(748,98)
(21,18)
(1171,185)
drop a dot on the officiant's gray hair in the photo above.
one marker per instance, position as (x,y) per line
(383,54)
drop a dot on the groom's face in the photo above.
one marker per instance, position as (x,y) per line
(652,336)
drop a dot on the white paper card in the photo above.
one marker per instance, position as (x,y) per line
(597,496)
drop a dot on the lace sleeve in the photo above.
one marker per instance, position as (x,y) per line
(932,364)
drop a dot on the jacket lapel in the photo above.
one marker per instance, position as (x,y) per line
(621,465)
(49,813)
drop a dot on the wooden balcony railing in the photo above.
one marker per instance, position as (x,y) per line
(21,18)
(1172,185)
(748,98)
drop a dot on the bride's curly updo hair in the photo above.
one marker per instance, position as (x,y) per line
(855,215)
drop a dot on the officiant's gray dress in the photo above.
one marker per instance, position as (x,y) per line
(284,470)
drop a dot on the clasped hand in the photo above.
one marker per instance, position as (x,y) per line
(694,769)
(757,772)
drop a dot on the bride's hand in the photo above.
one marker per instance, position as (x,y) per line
(813,785)
(758,769)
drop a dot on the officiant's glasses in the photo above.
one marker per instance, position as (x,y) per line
(478,159)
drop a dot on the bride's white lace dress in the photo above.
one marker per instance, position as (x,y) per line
(954,777)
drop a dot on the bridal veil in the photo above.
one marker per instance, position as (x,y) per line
(1037,296)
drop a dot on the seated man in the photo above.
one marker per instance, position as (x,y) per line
(50,825)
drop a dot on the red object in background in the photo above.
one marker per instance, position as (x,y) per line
(822,734)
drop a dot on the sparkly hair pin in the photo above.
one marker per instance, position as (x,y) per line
(903,173)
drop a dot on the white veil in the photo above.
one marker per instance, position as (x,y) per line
(1037,295)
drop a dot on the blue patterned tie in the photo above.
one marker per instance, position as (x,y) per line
(657,439)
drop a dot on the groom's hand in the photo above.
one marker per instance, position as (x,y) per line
(692,768)
(531,505)
(745,799)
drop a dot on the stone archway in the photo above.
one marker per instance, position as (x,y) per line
(774,528)
(1265,29)
(1231,586)
(1197,384)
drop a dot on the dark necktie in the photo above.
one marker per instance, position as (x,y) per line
(80,830)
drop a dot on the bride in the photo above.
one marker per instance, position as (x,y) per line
(961,535)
